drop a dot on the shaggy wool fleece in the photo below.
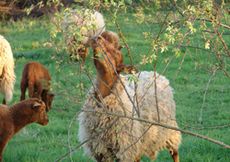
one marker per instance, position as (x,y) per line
(112,137)
(7,76)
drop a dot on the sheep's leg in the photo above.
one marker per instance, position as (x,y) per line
(175,155)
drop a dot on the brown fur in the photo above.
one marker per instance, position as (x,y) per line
(107,61)
(14,118)
(113,38)
(37,78)
(82,51)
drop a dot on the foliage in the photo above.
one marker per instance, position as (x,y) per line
(186,41)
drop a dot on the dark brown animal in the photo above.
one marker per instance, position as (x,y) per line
(14,118)
(37,78)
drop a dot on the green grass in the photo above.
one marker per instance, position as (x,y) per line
(40,144)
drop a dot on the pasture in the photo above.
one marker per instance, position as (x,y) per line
(197,92)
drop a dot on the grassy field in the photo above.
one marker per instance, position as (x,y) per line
(35,143)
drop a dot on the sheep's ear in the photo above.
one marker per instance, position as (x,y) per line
(36,105)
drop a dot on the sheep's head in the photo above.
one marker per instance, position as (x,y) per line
(39,114)
(47,97)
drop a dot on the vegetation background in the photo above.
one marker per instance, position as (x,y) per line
(188,42)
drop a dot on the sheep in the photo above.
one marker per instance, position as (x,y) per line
(111,137)
(37,78)
(78,27)
(7,75)
(14,118)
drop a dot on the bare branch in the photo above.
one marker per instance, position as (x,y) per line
(125,42)
(71,151)
(223,25)
(204,97)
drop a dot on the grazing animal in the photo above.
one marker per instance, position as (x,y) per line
(89,24)
(37,78)
(113,138)
(14,118)
(7,76)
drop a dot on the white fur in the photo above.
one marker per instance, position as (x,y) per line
(90,23)
(7,76)
(106,132)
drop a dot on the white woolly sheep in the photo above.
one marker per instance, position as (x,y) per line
(78,27)
(110,137)
(7,76)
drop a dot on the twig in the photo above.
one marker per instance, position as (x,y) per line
(155,68)
(210,127)
(204,98)
(222,41)
(137,139)
(70,151)
(124,41)
(69,143)
(223,25)
(156,98)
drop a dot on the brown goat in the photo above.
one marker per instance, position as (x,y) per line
(37,78)
(14,118)
(108,61)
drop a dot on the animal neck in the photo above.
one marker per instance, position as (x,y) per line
(105,84)
(105,64)
(20,116)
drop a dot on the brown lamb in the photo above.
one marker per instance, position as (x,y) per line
(37,78)
(14,118)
